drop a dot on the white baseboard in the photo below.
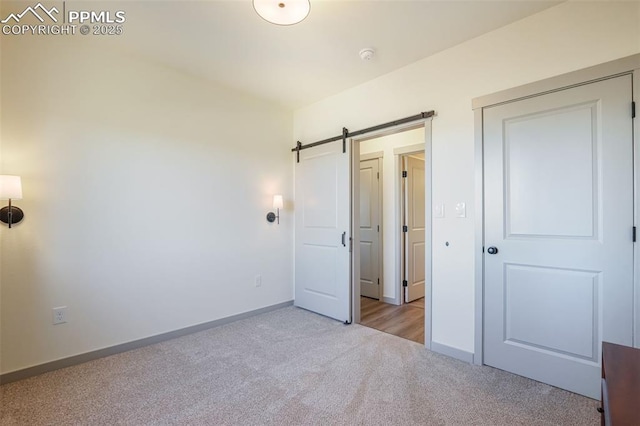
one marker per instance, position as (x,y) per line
(452,352)
(390,300)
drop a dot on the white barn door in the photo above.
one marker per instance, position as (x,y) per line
(558,232)
(322,231)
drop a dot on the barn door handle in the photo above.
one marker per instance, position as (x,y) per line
(344,235)
(492,250)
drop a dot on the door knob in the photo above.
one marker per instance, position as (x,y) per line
(492,250)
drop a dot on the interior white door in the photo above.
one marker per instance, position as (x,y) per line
(559,211)
(415,228)
(370,228)
(322,231)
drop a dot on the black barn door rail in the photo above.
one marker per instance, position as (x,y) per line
(347,134)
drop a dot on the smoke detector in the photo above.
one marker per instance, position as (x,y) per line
(366,54)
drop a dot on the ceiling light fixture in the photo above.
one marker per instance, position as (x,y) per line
(282,12)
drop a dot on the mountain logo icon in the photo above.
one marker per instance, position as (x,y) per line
(43,11)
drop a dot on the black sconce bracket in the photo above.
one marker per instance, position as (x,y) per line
(16,215)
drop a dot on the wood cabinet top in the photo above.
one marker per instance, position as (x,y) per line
(621,370)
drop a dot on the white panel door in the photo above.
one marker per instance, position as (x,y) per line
(322,231)
(559,209)
(370,228)
(415,222)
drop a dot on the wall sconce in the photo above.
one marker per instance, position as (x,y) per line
(277,204)
(10,189)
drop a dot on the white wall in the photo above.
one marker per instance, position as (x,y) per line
(391,200)
(145,196)
(565,38)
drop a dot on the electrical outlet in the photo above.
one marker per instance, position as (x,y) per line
(59,315)
(258,280)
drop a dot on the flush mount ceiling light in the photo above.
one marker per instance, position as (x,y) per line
(282,12)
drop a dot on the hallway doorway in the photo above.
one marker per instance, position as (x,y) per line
(399,232)
(406,320)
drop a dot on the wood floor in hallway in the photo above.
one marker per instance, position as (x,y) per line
(406,321)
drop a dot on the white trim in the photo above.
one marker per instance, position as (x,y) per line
(452,352)
(381,232)
(479,238)
(371,155)
(409,149)
(428,234)
(389,300)
(563,81)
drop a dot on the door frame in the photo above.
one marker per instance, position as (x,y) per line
(624,66)
(355,215)
(378,155)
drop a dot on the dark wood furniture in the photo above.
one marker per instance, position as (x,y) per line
(620,385)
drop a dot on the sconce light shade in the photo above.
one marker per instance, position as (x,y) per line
(282,12)
(277,202)
(10,187)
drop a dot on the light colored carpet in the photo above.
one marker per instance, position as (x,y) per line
(287,367)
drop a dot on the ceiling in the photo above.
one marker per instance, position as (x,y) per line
(228,43)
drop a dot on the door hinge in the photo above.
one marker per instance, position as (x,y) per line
(378,175)
(405,228)
(378,228)
(404,173)
(378,281)
(405,283)
(634,234)
(633,110)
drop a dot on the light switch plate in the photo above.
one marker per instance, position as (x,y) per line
(438,210)
(461,209)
